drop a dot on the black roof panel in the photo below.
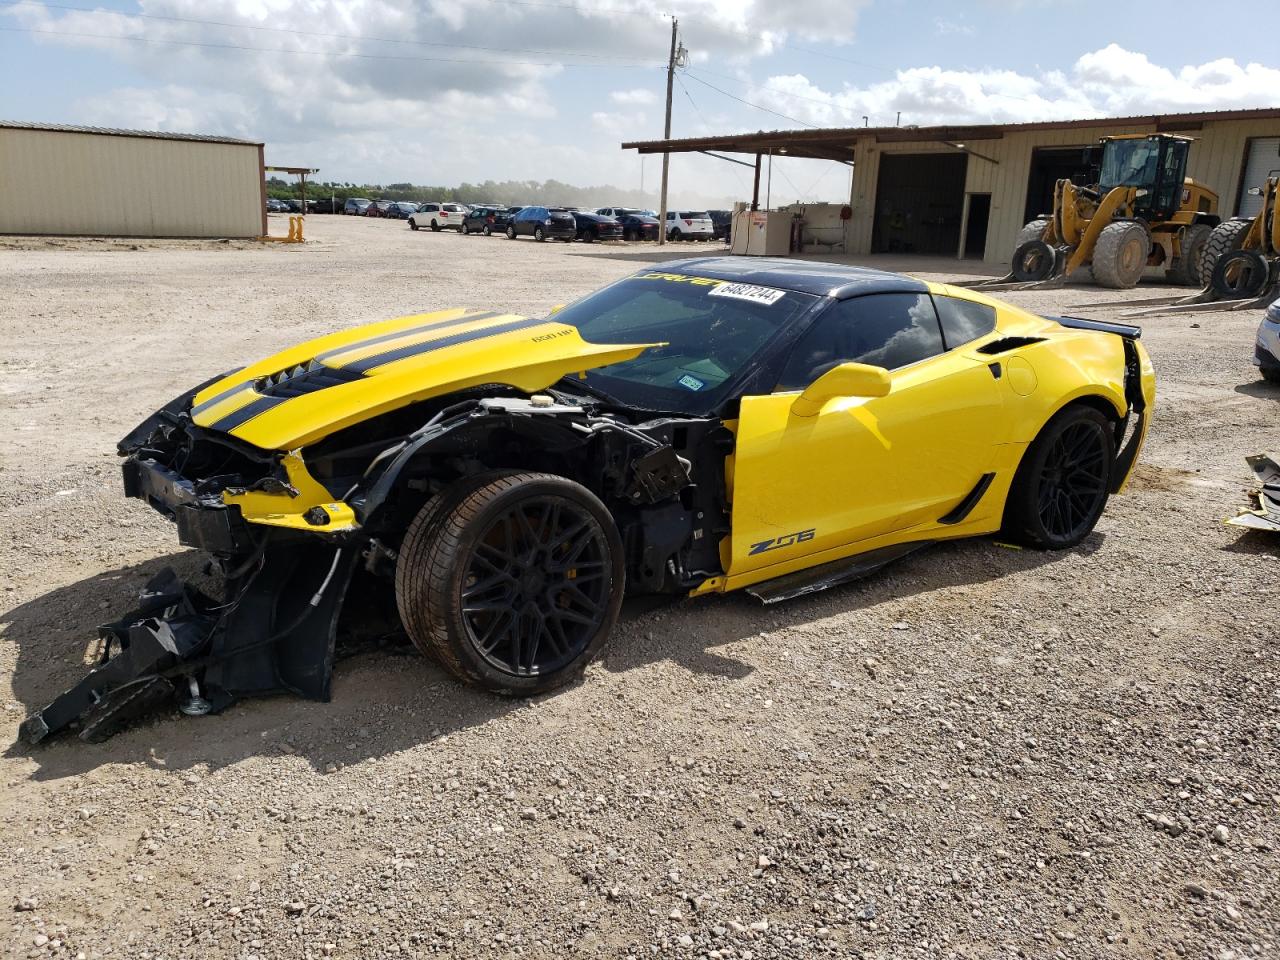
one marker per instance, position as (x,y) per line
(803,276)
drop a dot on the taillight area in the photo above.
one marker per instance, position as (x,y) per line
(688,222)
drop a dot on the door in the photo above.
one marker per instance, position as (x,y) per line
(919,203)
(1261,160)
(862,466)
(975,226)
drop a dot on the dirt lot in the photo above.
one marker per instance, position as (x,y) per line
(982,752)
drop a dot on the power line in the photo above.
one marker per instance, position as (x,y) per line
(313,53)
(748,103)
(315,33)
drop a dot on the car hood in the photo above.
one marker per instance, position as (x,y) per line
(307,392)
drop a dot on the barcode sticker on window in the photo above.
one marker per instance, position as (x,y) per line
(748,291)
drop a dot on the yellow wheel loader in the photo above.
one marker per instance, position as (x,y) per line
(1239,265)
(1144,212)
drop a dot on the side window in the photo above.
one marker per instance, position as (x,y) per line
(887,330)
(964,320)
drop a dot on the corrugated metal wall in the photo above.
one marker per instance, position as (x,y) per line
(1217,159)
(87,184)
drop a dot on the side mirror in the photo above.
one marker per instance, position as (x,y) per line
(556,309)
(846,380)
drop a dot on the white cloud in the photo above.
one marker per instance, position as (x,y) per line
(639,96)
(1107,82)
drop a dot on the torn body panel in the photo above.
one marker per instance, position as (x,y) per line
(1265,511)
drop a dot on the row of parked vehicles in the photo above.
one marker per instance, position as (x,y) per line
(546,223)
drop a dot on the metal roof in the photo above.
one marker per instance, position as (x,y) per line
(113,132)
(803,276)
(836,143)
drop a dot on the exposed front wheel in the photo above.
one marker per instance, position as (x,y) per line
(1063,481)
(512,581)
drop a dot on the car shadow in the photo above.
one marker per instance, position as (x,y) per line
(389,698)
(1262,389)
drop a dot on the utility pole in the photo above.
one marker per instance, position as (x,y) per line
(666,135)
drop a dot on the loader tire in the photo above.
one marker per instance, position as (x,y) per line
(1034,230)
(1033,261)
(1223,239)
(1241,275)
(1120,255)
(514,583)
(1187,272)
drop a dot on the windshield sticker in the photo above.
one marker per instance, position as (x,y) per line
(749,292)
(681,278)
(690,381)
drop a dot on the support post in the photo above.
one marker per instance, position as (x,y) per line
(755,187)
(666,135)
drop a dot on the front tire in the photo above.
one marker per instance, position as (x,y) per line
(539,235)
(1120,255)
(413,224)
(511,233)
(464,229)
(512,581)
(1063,481)
(435,227)
(486,230)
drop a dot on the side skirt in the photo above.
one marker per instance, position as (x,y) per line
(832,574)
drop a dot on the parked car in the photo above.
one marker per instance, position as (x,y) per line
(378,208)
(689,225)
(482,219)
(636,224)
(542,223)
(438,216)
(326,205)
(1266,352)
(722,222)
(276,206)
(401,210)
(356,206)
(595,226)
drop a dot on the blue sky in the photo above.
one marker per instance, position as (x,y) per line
(440,91)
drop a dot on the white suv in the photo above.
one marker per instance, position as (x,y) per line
(689,225)
(439,216)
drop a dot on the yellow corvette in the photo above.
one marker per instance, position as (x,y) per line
(716,424)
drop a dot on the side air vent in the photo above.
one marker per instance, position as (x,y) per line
(304,378)
(1005,344)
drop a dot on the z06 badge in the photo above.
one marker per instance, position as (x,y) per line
(777,543)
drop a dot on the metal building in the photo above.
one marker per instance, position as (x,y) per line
(58,180)
(966,190)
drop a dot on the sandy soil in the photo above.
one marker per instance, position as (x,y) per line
(982,752)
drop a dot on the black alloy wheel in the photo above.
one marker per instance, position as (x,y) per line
(535,591)
(1063,482)
(512,581)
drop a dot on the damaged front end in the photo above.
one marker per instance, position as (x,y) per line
(289,532)
(1264,512)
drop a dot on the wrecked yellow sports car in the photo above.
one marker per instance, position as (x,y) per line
(715,425)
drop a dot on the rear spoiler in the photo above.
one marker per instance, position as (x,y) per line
(1099,326)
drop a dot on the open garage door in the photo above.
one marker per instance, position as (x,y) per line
(1051,164)
(919,203)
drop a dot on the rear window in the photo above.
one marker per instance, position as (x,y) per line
(964,320)
(453,207)
(695,215)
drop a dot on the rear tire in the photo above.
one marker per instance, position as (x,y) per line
(486,230)
(1187,272)
(512,581)
(1120,255)
(1223,239)
(1271,374)
(435,227)
(413,225)
(464,229)
(1063,481)
(511,233)
(538,234)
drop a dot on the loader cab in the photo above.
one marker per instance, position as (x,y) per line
(1156,166)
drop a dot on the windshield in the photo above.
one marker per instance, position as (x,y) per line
(1129,163)
(711,329)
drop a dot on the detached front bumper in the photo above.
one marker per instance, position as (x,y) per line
(205,523)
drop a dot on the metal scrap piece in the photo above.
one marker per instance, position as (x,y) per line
(1265,512)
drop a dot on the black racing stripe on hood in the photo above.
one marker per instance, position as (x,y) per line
(219,397)
(407,332)
(247,413)
(413,350)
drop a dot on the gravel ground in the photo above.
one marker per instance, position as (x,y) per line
(981,752)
